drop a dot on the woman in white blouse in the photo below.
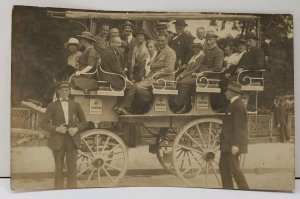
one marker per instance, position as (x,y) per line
(152,49)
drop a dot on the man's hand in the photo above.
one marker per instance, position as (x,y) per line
(227,75)
(234,150)
(61,129)
(78,73)
(278,125)
(73,131)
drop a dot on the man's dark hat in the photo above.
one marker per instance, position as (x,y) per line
(127,23)
(141,32)
(251,35)
(234,86)
(86,35)
(241,41)
(210,34)
(63,84)
(180,23)
(162,25)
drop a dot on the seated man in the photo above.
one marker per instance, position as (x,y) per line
(186,81)
(164,62)
(213,61)
(111,62)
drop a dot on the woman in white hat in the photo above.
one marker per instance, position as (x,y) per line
(74,47)
(186,80)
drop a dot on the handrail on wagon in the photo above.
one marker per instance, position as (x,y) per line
(202,78)
(72,14)
(161,81)
(249,79)
(116,74)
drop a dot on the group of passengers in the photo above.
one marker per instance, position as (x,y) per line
(142,61)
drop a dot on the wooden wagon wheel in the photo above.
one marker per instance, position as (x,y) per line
(102,159)
(164,146)
(196,153)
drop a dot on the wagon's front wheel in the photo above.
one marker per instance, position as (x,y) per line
(102,159)
(196,153)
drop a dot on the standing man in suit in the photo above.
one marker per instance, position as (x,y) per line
(181,43)
(111,62)
(128,29)
(280,117)
(234,139)
(64,120)
(163,62)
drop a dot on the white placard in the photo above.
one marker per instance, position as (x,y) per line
(96,106)
(202,102)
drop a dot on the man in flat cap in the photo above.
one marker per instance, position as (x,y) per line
(233,139)
(181,44)
(64,120)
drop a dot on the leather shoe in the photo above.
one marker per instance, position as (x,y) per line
(123,111)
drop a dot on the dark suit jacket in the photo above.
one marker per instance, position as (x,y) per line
(234,129)
(280,115)
(111,62)
(164,62)
(193,67)
(100,44)
(254,59)
(213,60)
(54,117)
(182,47)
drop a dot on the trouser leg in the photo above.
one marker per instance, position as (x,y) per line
(226,176)
(59,164)
(71,154)
(144,93)
(129,97)
(281,133)
(183,94)
(237,173)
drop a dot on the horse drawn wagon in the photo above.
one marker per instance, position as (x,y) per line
(186,145)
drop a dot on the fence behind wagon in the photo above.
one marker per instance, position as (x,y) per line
(259,126)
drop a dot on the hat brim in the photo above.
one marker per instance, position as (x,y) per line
(87,38)
(211,36)
(200,45)
(180,24)
(127,25)
(60,85)
(66,45)
(145,35)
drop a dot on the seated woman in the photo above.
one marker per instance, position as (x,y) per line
(87,63)
(73,46)
(186,80)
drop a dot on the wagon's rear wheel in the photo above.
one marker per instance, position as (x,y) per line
(164,146)
(196,153)
(102,159)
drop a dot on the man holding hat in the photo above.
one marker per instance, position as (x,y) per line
(140,54)
(181,43)
(233,139)
(64,120)
(128,29)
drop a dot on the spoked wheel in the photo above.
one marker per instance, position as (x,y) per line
(102,159)
(196,153)
(164,146)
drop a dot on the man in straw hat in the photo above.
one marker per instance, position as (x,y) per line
(181,43)
(64,120)
(233,139)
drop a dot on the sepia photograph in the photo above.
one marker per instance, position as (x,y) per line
(151,99)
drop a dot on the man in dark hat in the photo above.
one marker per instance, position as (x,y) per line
(64,120)
(233,139)
(181,43)
(140,54)
(254,58)
(128,29)
(102,38)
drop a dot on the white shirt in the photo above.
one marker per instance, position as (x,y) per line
(202,41)
(65,107)
(233,59)
(195,57)
(233,99)
(129,38)
(148,61)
